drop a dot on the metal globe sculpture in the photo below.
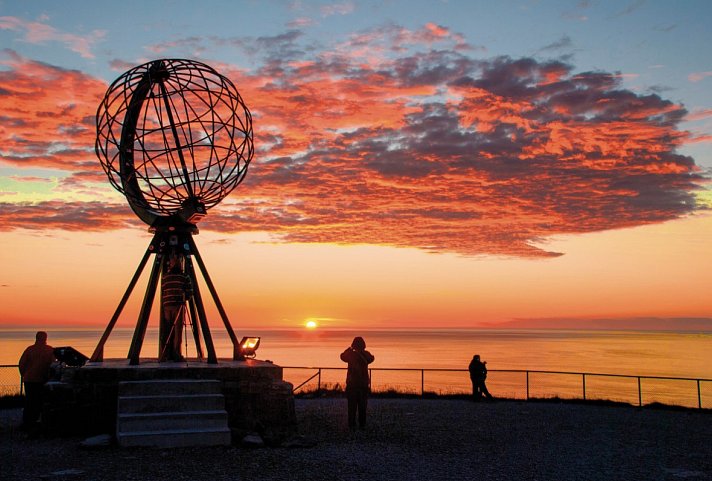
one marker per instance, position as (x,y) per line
(175,137)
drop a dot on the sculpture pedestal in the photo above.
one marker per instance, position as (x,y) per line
(256,398)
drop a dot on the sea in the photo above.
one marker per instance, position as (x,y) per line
(626,366)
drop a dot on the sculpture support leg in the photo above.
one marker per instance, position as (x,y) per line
(212,357)
(142,323)
(216,299)
(194,308)
(196,329)
(98,355)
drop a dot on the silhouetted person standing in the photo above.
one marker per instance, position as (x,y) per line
(34,367)
(358,382)
(478,374)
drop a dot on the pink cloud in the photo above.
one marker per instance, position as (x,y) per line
(700,114)
(301,22)
(343,8)
(376,43)
(698,76)
(29,178)
(42,33)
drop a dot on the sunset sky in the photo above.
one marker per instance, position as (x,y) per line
(418,163)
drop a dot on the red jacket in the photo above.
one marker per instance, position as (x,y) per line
(35,362)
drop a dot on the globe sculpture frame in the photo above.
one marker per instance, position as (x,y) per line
(175,137)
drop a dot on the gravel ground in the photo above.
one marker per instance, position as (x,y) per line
(407,439)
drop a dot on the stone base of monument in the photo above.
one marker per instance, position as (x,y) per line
(154,403)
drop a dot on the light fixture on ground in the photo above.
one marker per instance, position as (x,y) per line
(249,345)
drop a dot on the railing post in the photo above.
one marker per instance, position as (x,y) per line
(422,383)
(699,395)
(640,394)
(527,385)
(318,382)
(583,379)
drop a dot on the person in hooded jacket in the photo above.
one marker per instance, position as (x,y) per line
(358,381)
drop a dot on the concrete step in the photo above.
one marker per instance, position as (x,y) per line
(170,386)
(174,438)
(137,422)
(170,403)
(172,413)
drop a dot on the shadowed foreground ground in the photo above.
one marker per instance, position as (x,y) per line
(408,439)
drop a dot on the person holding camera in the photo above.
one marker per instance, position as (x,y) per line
(358,381)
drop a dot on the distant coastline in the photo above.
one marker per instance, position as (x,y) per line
(677,324)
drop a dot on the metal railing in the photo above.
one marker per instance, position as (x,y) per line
(583,376)
(11,384)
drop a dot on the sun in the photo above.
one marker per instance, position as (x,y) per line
(311,324)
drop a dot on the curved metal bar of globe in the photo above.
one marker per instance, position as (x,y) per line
(176,139)
(236,354)
(98,355)
(127,169)
(190,270)
(142,323)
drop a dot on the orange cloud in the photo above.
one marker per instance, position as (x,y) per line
(409,147)
(70,216)
(700,139)
(48,114)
